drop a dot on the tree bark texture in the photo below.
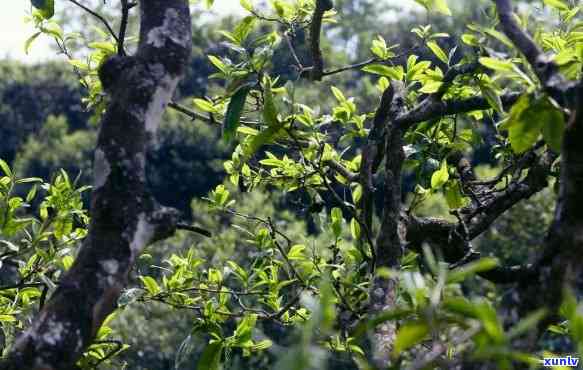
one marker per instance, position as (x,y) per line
(124,216)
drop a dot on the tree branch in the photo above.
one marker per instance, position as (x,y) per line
(99,17)
(315,32)
(431,108)
(546,70)
(453,238)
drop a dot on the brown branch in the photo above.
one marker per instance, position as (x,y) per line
(341,170)
(452,238)
(125,12)
(194,229)
(350,67)
(293,51)
(430,108)
(315,32)
(198,116)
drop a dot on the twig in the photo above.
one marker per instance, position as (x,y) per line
(350,67)
(293,51)
(195,115)
(99,17)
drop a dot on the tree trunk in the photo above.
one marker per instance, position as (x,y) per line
(390,239)
(124,216)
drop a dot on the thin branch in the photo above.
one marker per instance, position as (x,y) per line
(99,17)
(350,67)
(293,51)
(125,12)
(194,229)
(198,116)
(343,171)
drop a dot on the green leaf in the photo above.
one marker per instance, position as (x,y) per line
(492,97)
(439,6)
(46,8)
(487,315)
(150,284)
(204,105)
(211,357)
(274,125)
(409,335)
(108,47)
(246,4)
(244,28)
(338,94)
(79,64)
(496,64)
(453,195)
(472,268)
(7,318)
(557,4)
(263,345)
(438,51)
(440,177)
(269,108)
(234,111)
(394,73)
(218,63)
(4,166)
(336,221)
(460,306)
(528,119)
(355,229)
(296,252)
(553,128)
(29,41)
(53,29)
(527,323)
